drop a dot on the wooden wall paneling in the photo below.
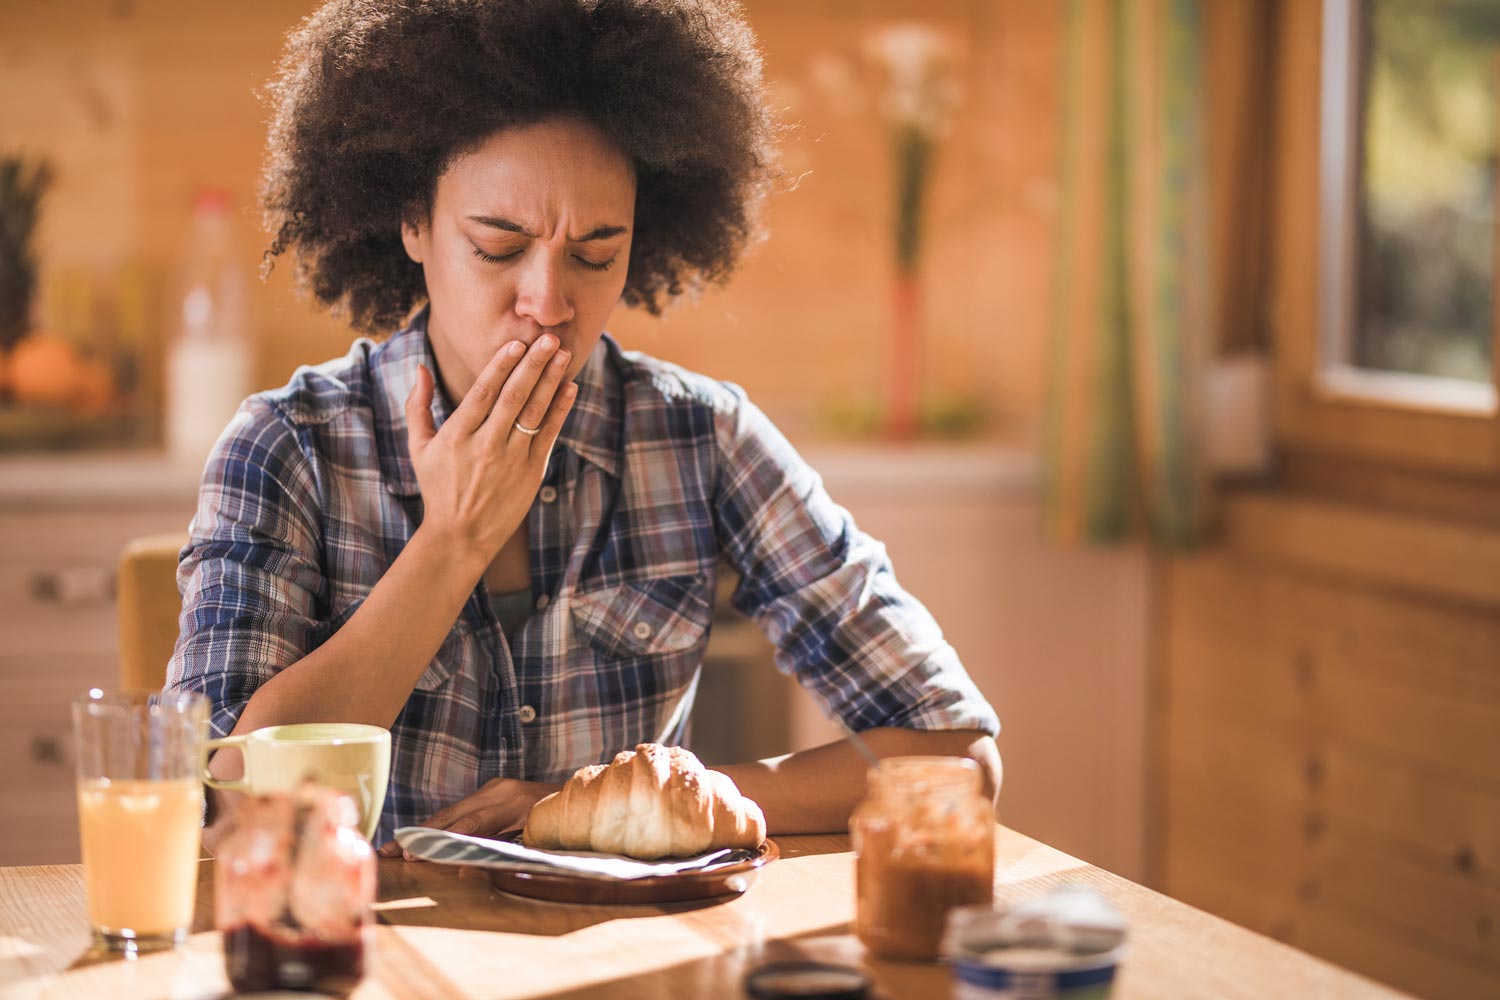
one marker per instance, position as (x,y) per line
(1421,644)
(1269,809)
(1267,667)
(1277,873)
(1356,941)
(1332,746)
(1454,499)
(1426,810)
(1452,913)
(1447,810)
(1441,560)
(1388,955)
(1459,735)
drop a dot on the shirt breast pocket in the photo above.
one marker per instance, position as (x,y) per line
(660,617)
(449,659)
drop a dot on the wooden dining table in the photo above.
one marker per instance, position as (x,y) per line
(444,933)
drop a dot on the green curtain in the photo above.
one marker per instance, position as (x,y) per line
(1130,307)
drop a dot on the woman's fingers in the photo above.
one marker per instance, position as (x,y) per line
(489,821)
(440,820)
(535,410)
(419,424)
(557,415)
(517,385)
(487,388)
(500,804)
(520,384)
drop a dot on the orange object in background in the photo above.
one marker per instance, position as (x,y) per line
(44,368)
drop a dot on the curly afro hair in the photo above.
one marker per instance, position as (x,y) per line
(374,98)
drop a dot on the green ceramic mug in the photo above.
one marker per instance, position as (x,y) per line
(352,758)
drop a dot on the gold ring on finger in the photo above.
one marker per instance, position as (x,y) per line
(528,431)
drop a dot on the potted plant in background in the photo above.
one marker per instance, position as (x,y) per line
(59,386)
(22,185)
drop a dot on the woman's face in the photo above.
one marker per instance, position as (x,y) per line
(529,234)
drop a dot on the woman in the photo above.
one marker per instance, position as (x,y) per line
(495,532)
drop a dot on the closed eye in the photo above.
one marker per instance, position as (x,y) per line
(490,258)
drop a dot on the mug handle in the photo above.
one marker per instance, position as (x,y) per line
(243,784)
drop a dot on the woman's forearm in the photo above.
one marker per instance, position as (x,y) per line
(366,670)
(814,791)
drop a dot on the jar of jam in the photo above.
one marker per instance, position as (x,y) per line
(924,843)
(294,884)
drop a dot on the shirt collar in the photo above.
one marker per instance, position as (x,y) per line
(592,430)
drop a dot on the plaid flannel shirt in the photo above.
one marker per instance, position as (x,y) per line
(310,495)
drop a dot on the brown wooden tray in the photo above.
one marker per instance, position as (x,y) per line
(729,880)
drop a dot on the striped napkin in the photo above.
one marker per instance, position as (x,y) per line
(459,849)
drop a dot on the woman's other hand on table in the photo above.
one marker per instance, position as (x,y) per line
(501,804)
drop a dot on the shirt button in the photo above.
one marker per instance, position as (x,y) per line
(548,494)
(542,602)
(642,630)
(527,713)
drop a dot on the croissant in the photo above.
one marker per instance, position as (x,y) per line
(650,802)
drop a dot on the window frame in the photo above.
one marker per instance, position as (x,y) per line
(1402,420)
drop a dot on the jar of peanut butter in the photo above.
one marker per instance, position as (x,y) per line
(924,843)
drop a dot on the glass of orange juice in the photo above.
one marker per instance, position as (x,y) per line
(140,810)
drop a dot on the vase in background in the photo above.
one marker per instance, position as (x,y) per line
(921,92)
(209,359)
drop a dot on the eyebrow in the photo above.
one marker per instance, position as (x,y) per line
(597,233)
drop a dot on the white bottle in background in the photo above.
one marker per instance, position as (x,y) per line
(209,360)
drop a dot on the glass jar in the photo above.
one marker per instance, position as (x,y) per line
(924,843)
(293,888)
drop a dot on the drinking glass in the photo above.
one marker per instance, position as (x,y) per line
(140,812)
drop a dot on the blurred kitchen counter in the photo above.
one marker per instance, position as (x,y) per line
(103,480)
(926,469)
(150,478)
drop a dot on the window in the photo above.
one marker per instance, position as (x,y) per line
(1408,209)
(1347,398)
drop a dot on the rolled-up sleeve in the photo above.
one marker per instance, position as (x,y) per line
(825,593)
(249,576)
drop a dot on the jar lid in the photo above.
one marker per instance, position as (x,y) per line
(1074,919)
(807,981)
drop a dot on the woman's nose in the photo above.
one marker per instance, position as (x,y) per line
(542,293)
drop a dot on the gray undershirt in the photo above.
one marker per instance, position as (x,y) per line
(512,609)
